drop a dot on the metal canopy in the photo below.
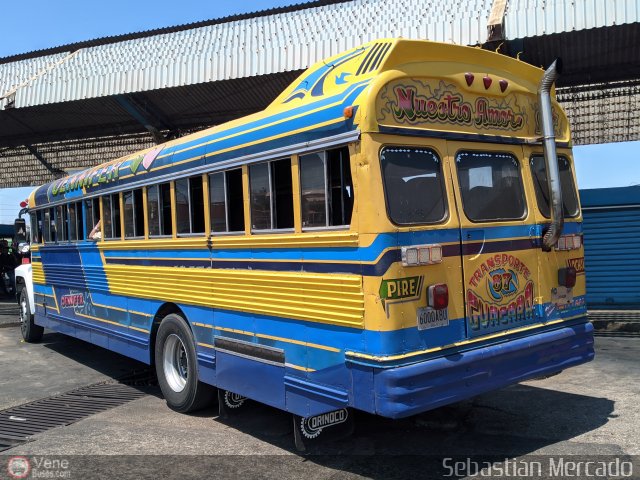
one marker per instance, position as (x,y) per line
(81,104)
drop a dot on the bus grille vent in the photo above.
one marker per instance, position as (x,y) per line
(373,59)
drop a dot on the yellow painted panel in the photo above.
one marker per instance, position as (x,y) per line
(332,299)
(37,273)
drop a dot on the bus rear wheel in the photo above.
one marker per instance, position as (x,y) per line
(31,333)
(177,367)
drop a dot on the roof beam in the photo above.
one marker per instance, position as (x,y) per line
(33,151)
(144,116)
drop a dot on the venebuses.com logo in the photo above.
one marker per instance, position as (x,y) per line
(37,467)
(18,467)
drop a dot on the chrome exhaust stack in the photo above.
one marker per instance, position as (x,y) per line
(550,156)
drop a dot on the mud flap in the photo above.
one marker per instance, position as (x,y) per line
(333,425)
(229,403)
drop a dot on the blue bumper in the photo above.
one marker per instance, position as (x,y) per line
(408,390)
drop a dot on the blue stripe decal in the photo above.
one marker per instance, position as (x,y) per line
(197,149)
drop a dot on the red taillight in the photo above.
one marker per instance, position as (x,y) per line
(25,261)
(438,296)
(567,277)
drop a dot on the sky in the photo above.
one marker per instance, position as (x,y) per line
(50,23)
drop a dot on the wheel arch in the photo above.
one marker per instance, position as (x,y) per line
(24,279)
(164,310)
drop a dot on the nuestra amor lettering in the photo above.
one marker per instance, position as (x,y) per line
(451,107)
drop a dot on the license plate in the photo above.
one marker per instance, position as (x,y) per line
(562,295)
(430,318)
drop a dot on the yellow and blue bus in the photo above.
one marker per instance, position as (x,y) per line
(397,231)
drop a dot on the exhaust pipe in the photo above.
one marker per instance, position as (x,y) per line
(550,157)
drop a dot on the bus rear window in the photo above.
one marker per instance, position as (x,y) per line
(413,185)
(569,197)
(491,186)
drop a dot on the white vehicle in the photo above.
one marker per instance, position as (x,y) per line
(24,294)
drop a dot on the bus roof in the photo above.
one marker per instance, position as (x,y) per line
(381,86)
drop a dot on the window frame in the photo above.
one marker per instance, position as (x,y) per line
(37,227)
(79,230)
(327,189)
(137,235)
(443,186)
(46,225)
(520,177)
(272,198)
(225,183)
(61,224)
(573,184)
(118,196)
(190,210)
(161,223)
(95,216)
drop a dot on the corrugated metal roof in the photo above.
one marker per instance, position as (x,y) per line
(286,41)
(67,155)
(15,73)
(156,31)
(531,18)
(180,109)
(602,113)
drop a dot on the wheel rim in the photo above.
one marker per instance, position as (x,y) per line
(23,314)
(175,363)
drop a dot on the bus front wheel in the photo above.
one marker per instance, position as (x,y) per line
(177,367)
(31,333)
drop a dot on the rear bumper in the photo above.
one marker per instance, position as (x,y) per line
(411,389)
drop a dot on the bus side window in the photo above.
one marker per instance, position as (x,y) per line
(92,216)
(75,222)
(271,189)
(159,210)
(62,223)
(36,226)
(189,205)
(226,199)
(111,207)
(569,196)
(133,214)
(326,188)
(48,226)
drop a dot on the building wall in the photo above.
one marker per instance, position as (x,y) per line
(612,247)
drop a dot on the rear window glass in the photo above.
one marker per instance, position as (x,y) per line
(491,186)
(569,197)
(413,185)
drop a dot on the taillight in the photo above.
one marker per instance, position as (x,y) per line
(25,261)
(567,277)
(569,242)
(438,296)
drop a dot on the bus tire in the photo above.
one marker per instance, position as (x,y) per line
(31,333)
(177,367)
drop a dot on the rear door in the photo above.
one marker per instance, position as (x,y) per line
(498,237)
(559,302)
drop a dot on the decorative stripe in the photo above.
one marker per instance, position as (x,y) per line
(461,137)
(273,337)
(376,269)
(97,319)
